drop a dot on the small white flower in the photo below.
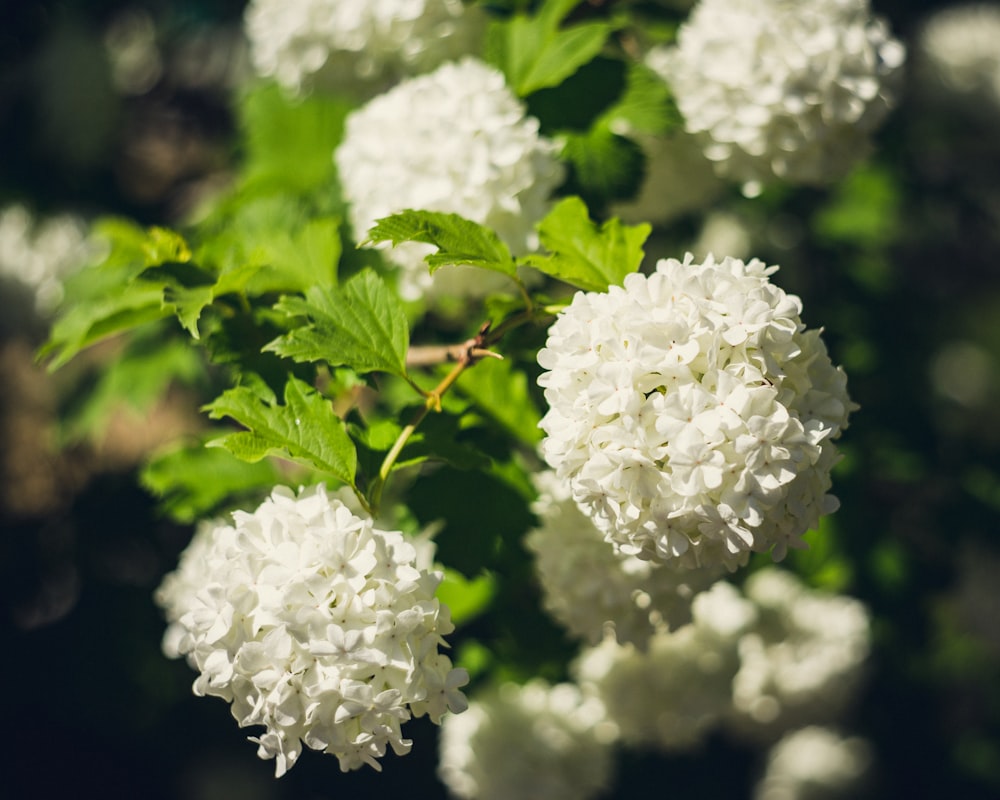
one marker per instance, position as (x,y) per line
(803,662)
(531,742)
(457,141)
(782,88)
(315,625)
(679,689)
(344,42)
(814,764)
(593,590)
(692,413)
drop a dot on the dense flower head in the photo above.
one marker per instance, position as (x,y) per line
(815,763)
(314,624)
(532,742)
(803,661)
(692,413)
(300,42)
(457,141)
(786,88)
(593,590)
(673,694)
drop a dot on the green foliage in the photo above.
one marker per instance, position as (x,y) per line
(304,430)
(465,598)
(534,52)
(459,241)
(361,325)
(501,392)
(289,141)
(109,298)
(136,378)
(604,166)
(584,255)
(194,481)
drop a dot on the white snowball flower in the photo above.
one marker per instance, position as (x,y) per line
(593,590)
(961,47)
(314,624)
(343,42)
(692,413)
(531,742)
(802,662)
(41,253)
(456,141)
(786,88)
(676,692)
(814,764)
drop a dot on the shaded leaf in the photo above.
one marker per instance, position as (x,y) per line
(501,392)
(466,599)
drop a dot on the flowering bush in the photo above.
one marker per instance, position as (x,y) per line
(314,624)
(692,413)
(420,299)
(780,89)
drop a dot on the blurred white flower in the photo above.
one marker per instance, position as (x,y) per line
(593,590)
(344,42)
(814,764)
(692,413)
(455,141)
(676,692)
(785,88)
(961,47)
(802,662)
(314,624)
(41,253)
(531,742)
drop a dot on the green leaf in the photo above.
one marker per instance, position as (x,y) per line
(605,166)
(304,429)
(501,392)
(459,241)
(646,106)
(466,599)
(534,53)
(290,141)
(106,298)
(584,255)
(136,378)
(192,482)
(361,325)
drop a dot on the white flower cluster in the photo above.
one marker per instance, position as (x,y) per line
(591,589)
(678,690)
(778,656)
(692,413)
(314,624)
(802,662)
(961,44)
(532,742)
(298,42)
(786,88)
(41,253)
(456,141)
(814,764)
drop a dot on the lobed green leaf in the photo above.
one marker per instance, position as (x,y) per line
(304,430)
(361,325)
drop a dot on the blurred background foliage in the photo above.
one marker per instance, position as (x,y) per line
(900,262)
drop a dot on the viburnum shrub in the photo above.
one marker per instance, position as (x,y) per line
(583,424)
